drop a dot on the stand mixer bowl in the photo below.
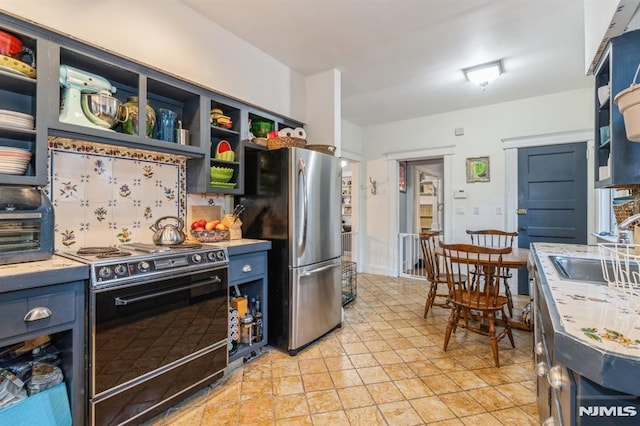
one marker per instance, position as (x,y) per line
(103,109)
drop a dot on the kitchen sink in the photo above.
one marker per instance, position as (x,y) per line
(580,268)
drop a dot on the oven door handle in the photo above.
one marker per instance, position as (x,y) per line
(120,301)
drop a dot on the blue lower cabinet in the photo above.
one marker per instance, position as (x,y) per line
(248,295)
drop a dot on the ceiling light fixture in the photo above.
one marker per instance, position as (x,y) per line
(482,75)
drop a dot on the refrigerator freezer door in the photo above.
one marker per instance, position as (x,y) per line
(314,203)
(316,302)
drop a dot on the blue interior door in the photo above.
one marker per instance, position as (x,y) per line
(552,197)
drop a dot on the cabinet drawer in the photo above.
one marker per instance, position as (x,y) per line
(245,267)
(61,304)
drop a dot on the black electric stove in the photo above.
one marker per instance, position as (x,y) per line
(137,262)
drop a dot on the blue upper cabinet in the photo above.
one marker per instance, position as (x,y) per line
(617,159)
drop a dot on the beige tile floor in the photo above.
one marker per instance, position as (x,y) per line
(385,366)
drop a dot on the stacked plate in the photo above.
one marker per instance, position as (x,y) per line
(14,161)
(16,119)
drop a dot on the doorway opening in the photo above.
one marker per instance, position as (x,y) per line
(349,210)
(421,208)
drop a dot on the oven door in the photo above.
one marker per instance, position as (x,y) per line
(154,340)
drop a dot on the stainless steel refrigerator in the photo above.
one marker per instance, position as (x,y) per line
(292,198)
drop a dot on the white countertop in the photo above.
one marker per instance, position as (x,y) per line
(54,264)
(243,245)
(29,275)
(235,243)
(596,315)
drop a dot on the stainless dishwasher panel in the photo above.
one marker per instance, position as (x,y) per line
(316,301)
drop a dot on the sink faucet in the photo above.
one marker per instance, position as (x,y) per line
(623,228)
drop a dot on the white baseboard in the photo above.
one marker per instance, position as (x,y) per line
(378,270)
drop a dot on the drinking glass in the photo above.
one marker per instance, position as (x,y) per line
(165,124)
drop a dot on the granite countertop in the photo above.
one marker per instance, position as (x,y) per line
(595,327)
(56,270)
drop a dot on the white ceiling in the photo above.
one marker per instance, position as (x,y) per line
(403,58)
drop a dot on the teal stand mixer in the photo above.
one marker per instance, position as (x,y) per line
(87,100)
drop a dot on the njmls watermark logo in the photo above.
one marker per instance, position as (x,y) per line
(608,411)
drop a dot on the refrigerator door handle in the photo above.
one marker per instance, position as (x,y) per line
(315,271)
(302,176)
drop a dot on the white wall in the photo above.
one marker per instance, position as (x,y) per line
(323,108)
(376,231)
(603,20)
(597,18)
(485,128)
(170,36)
(350,139)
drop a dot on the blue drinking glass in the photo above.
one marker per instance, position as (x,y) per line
(165,124)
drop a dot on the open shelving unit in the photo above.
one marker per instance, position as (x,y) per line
(42,98)
(426,206)
(616,157)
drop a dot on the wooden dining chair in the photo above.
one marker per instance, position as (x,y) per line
(496,238)
(476,293)
(429,241)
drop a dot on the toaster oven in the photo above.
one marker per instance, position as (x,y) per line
(26,225)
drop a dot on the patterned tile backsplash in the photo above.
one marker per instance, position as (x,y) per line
(106,195)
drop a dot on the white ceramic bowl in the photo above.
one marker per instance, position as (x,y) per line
(603,94)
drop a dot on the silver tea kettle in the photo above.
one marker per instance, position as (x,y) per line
(168,234)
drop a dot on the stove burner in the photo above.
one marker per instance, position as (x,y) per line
(97,250)
(115,253)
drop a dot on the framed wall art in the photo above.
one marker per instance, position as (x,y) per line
(402,176)
(478,169)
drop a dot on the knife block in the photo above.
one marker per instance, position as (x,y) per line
(235,227)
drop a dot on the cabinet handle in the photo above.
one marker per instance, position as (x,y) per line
(37,313)
(539,348)
(554,377)
(542,369)
(247,268)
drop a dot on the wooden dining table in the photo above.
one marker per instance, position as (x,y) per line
(516,259)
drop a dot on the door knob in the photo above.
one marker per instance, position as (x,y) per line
(521,211)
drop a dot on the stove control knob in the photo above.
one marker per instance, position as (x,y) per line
(104,272)
(220,255)
(196,258)
(143,266)
(120,270)
(211,256)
